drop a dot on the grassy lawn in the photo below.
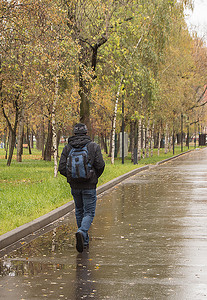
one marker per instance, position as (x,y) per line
(29,189)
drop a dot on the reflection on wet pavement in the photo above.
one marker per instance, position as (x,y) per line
(148,241)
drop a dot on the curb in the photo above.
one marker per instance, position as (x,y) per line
(170,158)
(20,232)
(119,179)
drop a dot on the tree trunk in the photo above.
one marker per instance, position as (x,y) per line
(158,147)
(152,139)
(40,135)
(110,142)
(139,142)
(48,145)
(103,142)
(40,138)
(58,141)
(87,62)
(20,136)
(143,141)
(29,139)
(132,139)
(135,134)
(6,142)
(32,139)
(11,146)
(166,139)
(170,143)
(13,130)
(85,94)
(54,134)
(147,139)
(114,122)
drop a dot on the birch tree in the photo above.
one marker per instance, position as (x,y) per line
(14,69)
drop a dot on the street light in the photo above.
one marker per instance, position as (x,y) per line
(122,129)
(181,132)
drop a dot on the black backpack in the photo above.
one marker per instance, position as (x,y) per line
(78,165)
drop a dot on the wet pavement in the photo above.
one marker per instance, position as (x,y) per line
(148,241)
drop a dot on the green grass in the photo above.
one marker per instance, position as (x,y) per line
(29,189)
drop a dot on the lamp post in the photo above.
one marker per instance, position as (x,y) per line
(135,144)
(181,132)
(195,136)
(173,137)
(188,136)
(122,129)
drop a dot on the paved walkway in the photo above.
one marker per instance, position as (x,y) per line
(148,241)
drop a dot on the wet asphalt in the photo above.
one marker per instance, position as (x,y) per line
(148,241)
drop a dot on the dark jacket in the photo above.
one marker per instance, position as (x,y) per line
(95,157)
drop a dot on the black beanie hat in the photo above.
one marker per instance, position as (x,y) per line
(80,128)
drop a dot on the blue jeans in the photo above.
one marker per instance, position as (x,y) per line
(85,205)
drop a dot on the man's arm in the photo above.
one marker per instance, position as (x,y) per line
(63,162)
(99,163)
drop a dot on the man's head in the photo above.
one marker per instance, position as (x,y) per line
(80,128)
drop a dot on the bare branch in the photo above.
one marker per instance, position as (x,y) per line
(200,98)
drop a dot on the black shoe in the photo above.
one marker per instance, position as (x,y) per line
(86,247)
(79,242)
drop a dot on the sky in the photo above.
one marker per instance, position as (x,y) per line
(197,20)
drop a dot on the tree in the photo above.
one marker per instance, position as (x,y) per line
(137,59)
(91,23)
(36,53)
(13,69)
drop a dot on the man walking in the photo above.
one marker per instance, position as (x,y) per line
(82,163)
